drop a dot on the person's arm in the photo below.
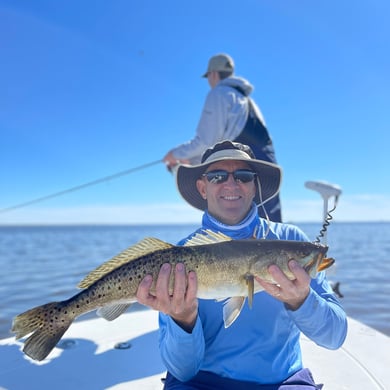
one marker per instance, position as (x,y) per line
(321,317)
(181,334)
(310,303)
(210,130)
(182,352)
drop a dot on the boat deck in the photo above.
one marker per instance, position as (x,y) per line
(123,354)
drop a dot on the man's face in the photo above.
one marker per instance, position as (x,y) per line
(213,79)
(231,200)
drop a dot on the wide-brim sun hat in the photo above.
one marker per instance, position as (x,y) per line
(268,178)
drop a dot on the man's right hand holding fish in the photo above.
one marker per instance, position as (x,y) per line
(182,304)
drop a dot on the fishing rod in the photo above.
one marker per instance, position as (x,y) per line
(81,186)
(326,190)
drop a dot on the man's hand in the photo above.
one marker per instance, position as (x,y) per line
(182,304)
(171,161)
(292,292)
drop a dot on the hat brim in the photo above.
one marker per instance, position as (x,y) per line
(269,179)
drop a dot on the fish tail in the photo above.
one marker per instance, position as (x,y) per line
(47,323)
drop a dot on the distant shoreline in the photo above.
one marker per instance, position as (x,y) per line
(184,224)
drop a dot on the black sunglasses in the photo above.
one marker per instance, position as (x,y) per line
(220,176)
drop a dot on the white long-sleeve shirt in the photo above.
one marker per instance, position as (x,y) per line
(224,115)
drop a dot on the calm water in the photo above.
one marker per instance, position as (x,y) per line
(41,264)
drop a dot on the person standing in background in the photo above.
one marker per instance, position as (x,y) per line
(229,114)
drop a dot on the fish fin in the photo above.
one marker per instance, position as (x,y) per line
(232,309)
(209,237)
(325,263)
(45,332)
(111,312)
(250,281)
(144,247)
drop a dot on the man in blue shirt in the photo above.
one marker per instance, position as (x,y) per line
(261,349)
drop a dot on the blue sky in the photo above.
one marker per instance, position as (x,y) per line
(92,88)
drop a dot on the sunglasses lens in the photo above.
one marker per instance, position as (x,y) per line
(244,176)
(217,177)
(241,175)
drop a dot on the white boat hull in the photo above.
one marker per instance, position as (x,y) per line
(91,361)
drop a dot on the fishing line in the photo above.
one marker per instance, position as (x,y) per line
(265,234)
(81,186)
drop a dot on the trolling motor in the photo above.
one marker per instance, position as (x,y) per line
(326,190)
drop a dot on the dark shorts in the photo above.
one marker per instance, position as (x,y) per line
(301,380)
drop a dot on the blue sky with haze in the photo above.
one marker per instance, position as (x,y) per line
(92,88)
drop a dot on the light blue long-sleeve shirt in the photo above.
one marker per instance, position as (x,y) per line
(262,345)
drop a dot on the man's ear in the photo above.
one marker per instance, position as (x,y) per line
(201,186)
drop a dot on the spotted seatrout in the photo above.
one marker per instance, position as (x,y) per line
(225,269)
